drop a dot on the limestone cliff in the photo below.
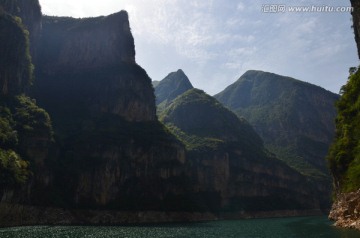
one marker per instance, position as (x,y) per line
(25,129)
(113,152)
(92,62)
(69,44)
(344,153)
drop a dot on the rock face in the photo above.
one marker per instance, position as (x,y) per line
(91,62)
(344,154)
(25,129)
(228,160)
(113,153)
(69,44)
(346,210)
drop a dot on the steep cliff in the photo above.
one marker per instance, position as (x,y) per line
(90,62)
(344,153)
(344,156)
(70,44)
(228,160)
(113,153)
(25,129)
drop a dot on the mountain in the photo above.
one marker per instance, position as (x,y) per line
(170,87)
(113,153)
(103,140)
(227,158)
(155,83)
(295,119)
(344,153)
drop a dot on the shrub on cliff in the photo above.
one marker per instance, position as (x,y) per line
(344,155)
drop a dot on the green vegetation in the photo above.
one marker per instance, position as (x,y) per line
(200,122)
(173,85)
(193,142)
(20,121)
(30,118)
(344,155)
(298,163)
(294,118)
(13,170)
(16,69)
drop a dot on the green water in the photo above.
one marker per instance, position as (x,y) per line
(307,227)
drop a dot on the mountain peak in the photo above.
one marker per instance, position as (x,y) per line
(173,85)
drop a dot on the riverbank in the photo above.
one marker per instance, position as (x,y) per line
(346,210)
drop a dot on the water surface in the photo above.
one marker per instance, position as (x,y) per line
(307,227)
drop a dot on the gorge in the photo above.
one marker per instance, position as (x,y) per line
(91,141)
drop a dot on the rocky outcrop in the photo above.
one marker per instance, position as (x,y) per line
(346,210)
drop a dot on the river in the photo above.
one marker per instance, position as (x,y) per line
(304,227)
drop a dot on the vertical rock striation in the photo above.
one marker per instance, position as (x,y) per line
(114,154)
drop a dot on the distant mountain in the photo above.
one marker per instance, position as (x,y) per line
(201,115)
(170,87)
(155,83)
(295,119)
(229,162)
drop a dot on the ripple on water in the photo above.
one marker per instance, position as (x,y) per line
(309,227)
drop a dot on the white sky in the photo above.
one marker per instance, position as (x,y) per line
(216,41)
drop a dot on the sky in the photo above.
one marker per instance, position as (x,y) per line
(215,41)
